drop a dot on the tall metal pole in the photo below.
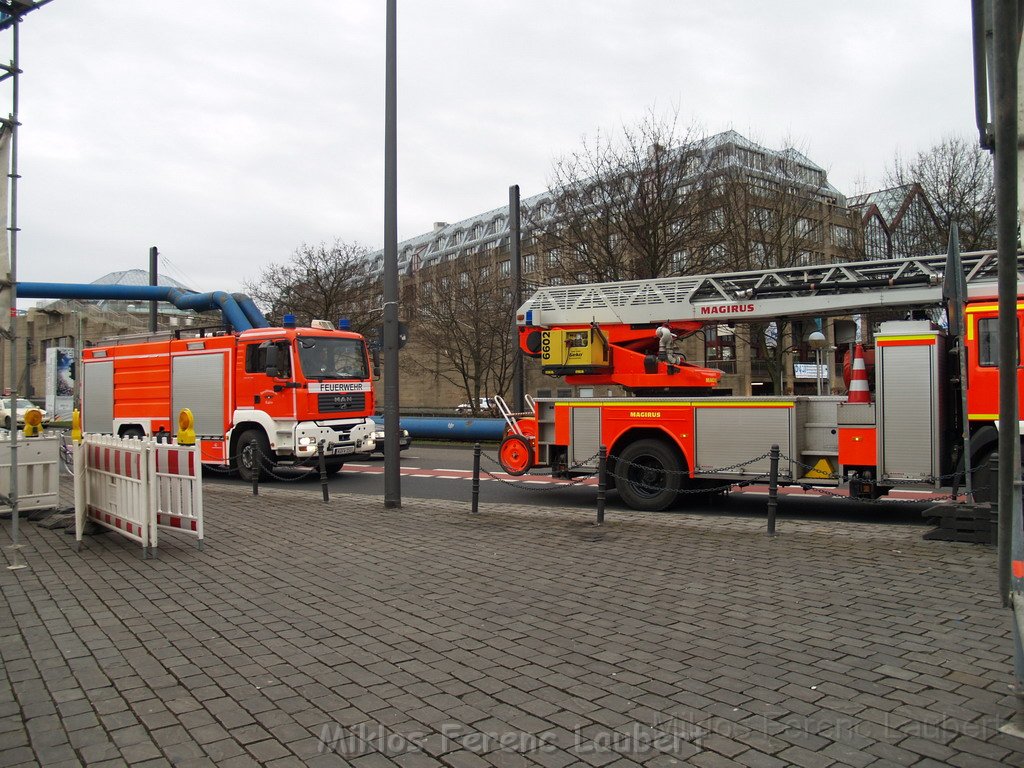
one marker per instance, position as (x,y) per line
(152,281)
(515,246)
(1005,167)
(13,228)
(392,474)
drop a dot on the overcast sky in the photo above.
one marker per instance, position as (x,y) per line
(230,136)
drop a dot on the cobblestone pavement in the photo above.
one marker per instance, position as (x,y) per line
(313,634)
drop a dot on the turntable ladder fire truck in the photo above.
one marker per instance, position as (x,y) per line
(673,434)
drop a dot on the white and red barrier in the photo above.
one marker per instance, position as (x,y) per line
(38,471)
(176,489)
(135,487)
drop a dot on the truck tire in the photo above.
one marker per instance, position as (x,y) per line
(133,433)
(333,466)
(252,443)
(648,475)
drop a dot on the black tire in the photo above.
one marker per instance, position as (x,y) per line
(252,443)
(7,423)
(648,475)
(333,466)
(133,433)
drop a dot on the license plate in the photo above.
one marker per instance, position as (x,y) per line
(344,449)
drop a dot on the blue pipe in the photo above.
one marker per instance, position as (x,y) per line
(433,428)
(233,314)
(251,311)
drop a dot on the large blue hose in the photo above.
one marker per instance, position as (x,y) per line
(433,428)
(240,316)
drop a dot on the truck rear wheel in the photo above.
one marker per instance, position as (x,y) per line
(648,475)
(333,466)
(253,451)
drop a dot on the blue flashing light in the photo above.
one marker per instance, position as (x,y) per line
(343,324)
(288,321)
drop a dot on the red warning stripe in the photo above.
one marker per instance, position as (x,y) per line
(172,521)
(117,522)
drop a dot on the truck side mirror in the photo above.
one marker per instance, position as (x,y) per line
(271,365)
(375,359)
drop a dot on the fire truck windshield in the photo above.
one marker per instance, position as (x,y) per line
(322,357)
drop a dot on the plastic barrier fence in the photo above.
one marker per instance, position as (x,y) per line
(136,487)
(38,470)
(176,489)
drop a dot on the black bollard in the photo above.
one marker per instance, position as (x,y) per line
(773,489)
(322,461)
(257,468)
(602,482)
(476,478)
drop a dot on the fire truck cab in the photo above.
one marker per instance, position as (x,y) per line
(259,397)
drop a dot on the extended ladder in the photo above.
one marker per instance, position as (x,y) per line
(818,290)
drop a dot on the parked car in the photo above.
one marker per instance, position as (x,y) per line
(23,406)
(404,440)
(487,407)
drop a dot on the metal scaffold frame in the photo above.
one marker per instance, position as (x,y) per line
(11,14)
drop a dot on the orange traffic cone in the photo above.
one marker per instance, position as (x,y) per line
(859,379)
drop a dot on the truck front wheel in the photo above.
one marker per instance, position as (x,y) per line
(648,475)
(253,451)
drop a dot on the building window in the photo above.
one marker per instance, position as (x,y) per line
(842,236)
(505,268)
(529,263)
(720,347)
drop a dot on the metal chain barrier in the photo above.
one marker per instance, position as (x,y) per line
(611,457)
(882,500)
(524,485)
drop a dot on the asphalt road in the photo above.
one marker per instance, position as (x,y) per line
(445,472)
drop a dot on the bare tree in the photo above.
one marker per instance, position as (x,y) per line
(957,178)
(630,207)
(460,321)
(319,281)
(777,211)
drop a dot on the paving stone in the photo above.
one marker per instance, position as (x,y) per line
(854,651)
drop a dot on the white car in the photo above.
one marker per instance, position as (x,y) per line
(487,407)
(23,406)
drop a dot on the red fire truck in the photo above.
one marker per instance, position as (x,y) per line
(671,435)
(273,392)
